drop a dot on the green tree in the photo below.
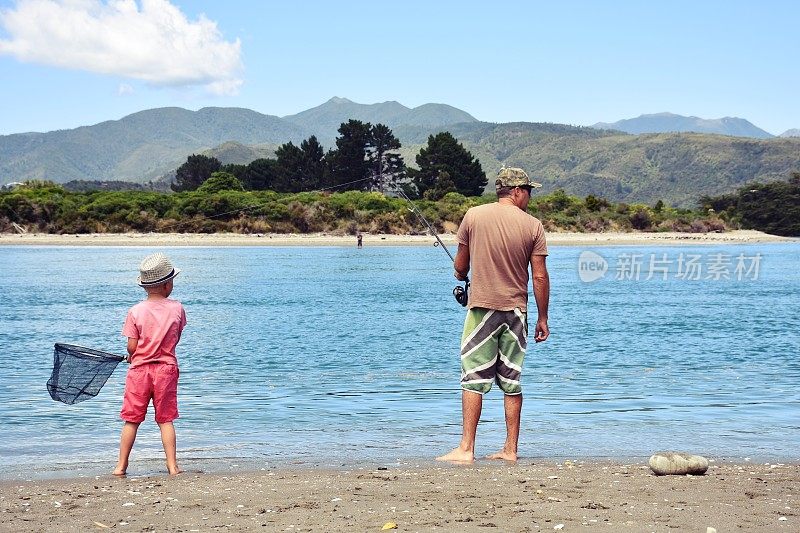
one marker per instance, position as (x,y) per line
(593,203)
(260,174)
(641,219)
(349,161)
(444,185)
(290,169)
(445,154)
(718,203)
(196,170)
(773,208)
(387,167)
(235,169)
(315,166)
(221,181)
(300,168)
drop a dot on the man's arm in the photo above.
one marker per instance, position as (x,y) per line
(541,292)
(461,263)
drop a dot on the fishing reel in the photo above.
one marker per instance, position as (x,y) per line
(461,294)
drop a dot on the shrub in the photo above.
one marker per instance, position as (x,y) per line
(594,203)
(640,219)
(220,181)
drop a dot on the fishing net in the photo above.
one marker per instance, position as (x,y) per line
(79,373)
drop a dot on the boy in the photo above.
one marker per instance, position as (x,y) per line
(153,328)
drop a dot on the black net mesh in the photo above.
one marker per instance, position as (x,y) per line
(79,373)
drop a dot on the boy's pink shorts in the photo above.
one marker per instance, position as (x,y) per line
(157,381)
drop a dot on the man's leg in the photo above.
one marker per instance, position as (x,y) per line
(512,344)
(478,358)
(513,408)
(471,405)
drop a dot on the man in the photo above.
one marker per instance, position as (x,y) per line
(498,241)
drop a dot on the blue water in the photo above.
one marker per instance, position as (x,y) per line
(332,355)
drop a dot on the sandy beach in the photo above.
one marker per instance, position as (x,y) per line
(322,239)
(529,496)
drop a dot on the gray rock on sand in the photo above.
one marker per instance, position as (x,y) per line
(678,463)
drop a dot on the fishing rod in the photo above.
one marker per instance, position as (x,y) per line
(460,293)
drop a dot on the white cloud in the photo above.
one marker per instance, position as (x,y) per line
(124,89)
(154,42)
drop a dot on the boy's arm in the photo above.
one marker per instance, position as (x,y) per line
(132,344)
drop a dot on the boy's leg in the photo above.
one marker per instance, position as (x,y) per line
(169,441)
(165,403)
(513,408)
(126,440)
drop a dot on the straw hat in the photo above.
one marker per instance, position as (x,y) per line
(156,269)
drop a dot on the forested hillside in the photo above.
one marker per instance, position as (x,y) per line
(676,168)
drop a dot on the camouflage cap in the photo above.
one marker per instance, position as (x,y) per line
(514,177)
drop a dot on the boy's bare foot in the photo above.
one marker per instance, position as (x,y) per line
(503,455)
(120,469)
(457,455)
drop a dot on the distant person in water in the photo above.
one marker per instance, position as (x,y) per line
(153,327)
(497,242)
(359,238)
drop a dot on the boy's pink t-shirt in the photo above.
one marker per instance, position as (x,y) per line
(157,324)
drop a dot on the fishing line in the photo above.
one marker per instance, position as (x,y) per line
(461,294)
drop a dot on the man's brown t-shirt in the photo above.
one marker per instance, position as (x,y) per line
(502,240)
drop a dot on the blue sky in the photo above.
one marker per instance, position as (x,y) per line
(68,63)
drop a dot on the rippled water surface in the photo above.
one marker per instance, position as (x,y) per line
(335,355)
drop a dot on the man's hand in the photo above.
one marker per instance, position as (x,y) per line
(542,330)
(459,276)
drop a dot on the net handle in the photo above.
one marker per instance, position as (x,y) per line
(89,352)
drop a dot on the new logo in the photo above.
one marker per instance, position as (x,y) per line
(591,266)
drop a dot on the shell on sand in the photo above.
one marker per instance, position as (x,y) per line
(678,463)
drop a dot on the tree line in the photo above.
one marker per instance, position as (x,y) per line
(769,207)
(216,207)
(365,158)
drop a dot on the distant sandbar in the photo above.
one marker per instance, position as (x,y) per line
(323,239)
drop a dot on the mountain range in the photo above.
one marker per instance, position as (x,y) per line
(601,160)
(671,123)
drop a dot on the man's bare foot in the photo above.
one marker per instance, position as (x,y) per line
(503,455)
(457,455)
(174,471)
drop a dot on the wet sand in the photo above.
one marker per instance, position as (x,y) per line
(322,239)
(487,496)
